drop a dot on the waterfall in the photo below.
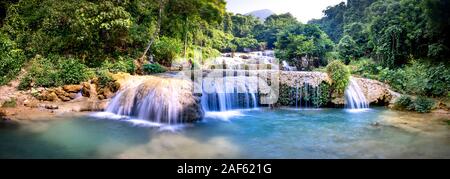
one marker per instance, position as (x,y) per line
(229,93)
(287,67)
(354,97)
(154,99)
(304,95)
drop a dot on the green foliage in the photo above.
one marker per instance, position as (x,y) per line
(166,50)
(273,25)
(423,105)
(71,71)
(419,78)
(11,59)
(340,76)
(322,98)
(366,68)
(153,68)
(333,22)
(300,41)
(103,77)
(348,49)
(420,104)
(246,44)
(243,25)
(123,64)
(392,32)
(404,103)
(54,71)
(10,103)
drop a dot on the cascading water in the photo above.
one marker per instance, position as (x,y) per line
(229,93)
(287,67)
(354,97)
(304,95)
(155,99)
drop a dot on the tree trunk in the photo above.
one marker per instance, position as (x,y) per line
(185,36)
(156,34)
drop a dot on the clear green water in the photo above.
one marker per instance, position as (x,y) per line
(264,133)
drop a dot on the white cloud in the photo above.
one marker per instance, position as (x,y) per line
(303,10)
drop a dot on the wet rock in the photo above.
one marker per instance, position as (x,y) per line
(292,78)
(245,57)
(51,107)
(2,112)
(86,89)
(63,95)
(31,103)
(51,97)
(72,88)
(73,95)
(101,97)
(64,98)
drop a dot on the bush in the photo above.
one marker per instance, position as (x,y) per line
(11,59)
(166,49)
(420,104)
(10,104)
(54,71)
(340,76)
(153,68)
(104,77)
(423,105)
(71,71)
(365,67)
(419,78)
(123,64)
(439,80)
(25,83)
(404,103)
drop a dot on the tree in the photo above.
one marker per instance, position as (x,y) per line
(273,25)
(243,25)
(162,4)
(300,41)
(348,49)
(333,22)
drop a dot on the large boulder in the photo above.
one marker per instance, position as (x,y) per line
(376,92)
(72,88)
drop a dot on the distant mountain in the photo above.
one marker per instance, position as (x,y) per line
(261,14)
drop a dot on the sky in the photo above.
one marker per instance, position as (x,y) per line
(303,10)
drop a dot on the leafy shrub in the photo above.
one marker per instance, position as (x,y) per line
(11,59)
(439,80)
(404,103)
(419,78)
(103,77)
(154,68)
(340,76)
(71,71)
(25,83)
(10,104)
(41,73)
(54,71)
(423,105)
(166,49)
(123,64)
(365,67)
(420,104)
